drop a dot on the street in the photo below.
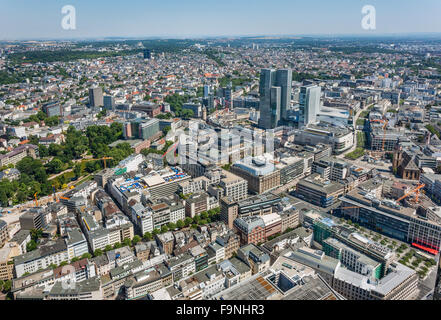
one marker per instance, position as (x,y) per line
(354,146)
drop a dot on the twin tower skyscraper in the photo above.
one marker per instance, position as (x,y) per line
(275,99)
(275,96)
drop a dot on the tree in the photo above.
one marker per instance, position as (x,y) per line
(55,166)
(171,226)
(156,231)
(77,170)
(74,259)
(164,228)
(148,236)
(180,224)
(167,115)
(43,151)
(108,248)
(188,221)
(63,263)
(31,245)
(4,198)
(127,242)
(98,252)
(36,234)
(7,285)
(91,166)
(86,255)
(102,114)
(204,215)
(136,239)
(117,245)
(187,113)
(33,168)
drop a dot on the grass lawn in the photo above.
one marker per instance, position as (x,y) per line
(357,153)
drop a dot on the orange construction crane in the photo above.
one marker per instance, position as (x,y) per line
(416,191)
(35,199)
(103,158)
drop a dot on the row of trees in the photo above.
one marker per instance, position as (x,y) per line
(86,255)
(166,115)
(65,55)
(126,243)
(198,220)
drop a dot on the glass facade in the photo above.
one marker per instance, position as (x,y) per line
(321,232)
(389,226)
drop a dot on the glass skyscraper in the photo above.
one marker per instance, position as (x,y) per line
(275,96)
(309,104)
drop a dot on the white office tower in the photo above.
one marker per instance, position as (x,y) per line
(309,104)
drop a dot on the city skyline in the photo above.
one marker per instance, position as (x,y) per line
(202,153)
(194,18)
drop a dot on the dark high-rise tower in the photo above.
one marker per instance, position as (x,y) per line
(96,97)
(147,54)
(275,96)
(284,81)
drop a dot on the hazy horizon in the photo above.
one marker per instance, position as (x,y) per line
(417,35)
(185,19)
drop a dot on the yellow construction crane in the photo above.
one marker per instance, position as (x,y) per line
(103,158)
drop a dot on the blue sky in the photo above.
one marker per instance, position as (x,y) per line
(31,19)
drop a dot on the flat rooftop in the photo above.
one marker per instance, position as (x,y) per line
(315,181)
(259,199)
(357,198)
(320,129)
(254,288)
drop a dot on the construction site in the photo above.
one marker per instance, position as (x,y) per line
(382,140)
(395,209)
